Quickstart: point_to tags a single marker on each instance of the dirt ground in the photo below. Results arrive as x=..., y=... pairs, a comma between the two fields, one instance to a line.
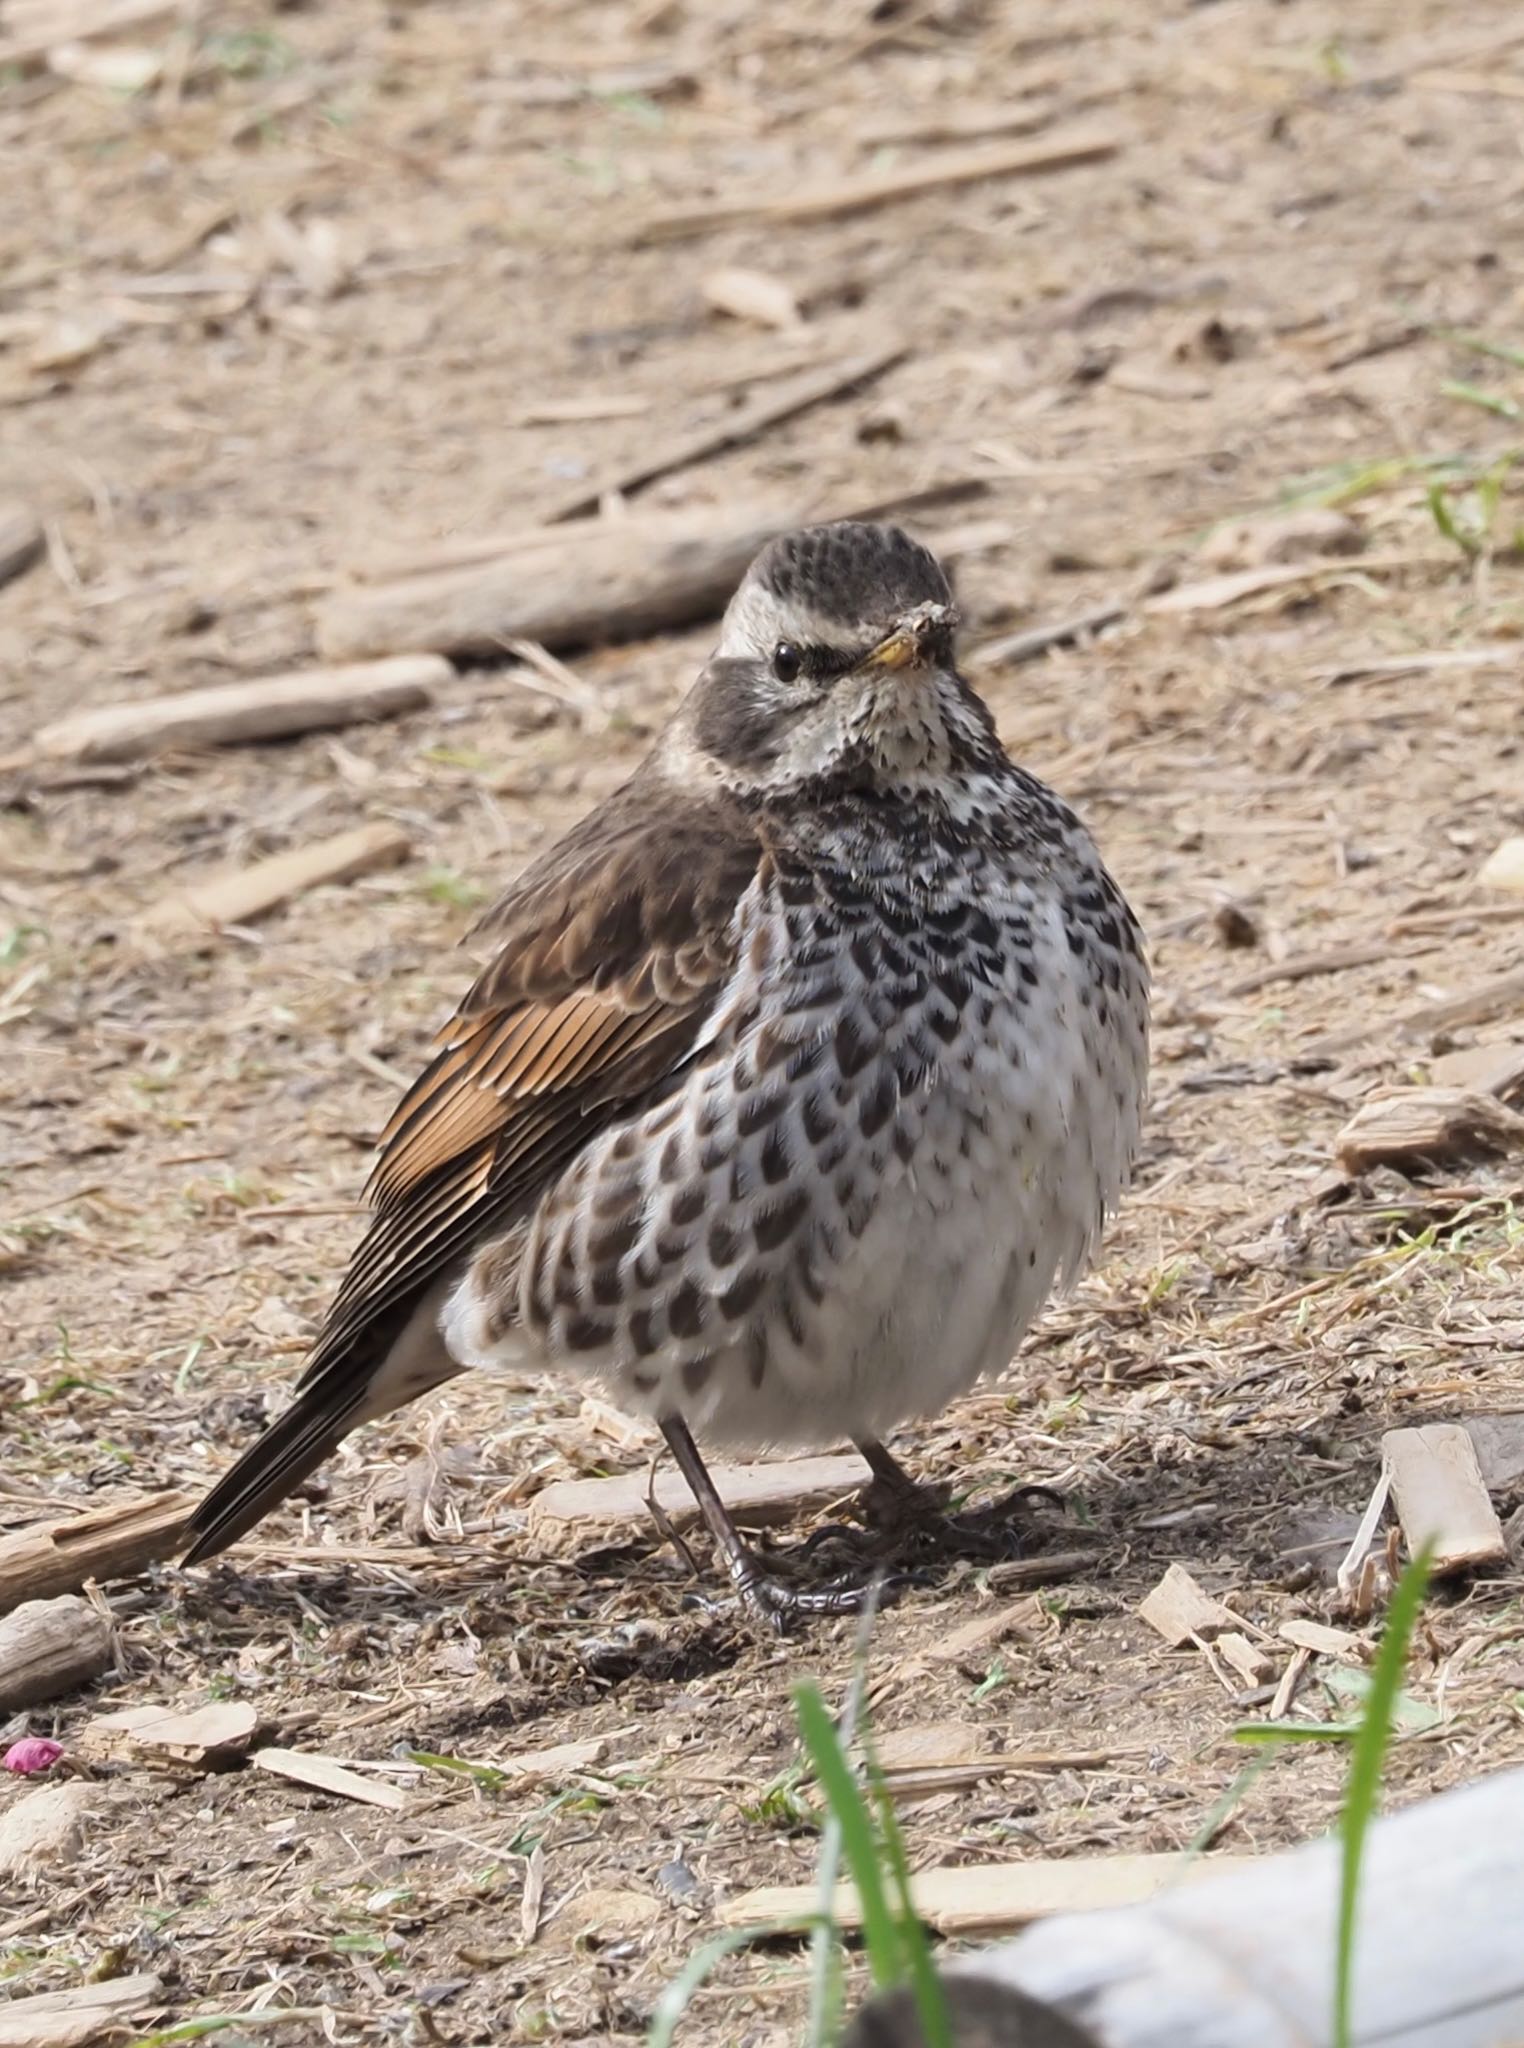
x=336, y=284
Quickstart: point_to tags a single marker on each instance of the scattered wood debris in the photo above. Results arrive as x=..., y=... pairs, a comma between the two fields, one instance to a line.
x=832, y=199
x=753, y=295
x=232, y=714
x=1437, y=1486
x=38, y=28
x=580, y=1514
x=50, y=1647
x=22, y=539
x=307, y=1767
x=113, y=1542
x=1182, y=1610
x=1415, y=1129
x=207, y=1738
x=988, y=1898
x=1504, y=867
x=82, y=2013
x=206, y=907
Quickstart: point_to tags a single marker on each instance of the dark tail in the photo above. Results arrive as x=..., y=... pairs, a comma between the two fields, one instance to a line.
x=295, y=1444
x=393, y=1360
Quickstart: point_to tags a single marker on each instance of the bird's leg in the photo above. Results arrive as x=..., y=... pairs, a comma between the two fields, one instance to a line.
x=767, y=1597
x=922, y=1512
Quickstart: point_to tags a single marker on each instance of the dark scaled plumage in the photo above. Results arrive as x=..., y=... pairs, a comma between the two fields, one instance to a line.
x=852, y=573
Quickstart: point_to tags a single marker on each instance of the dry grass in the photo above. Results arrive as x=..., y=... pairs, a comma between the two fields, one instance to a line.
x=1239, y=309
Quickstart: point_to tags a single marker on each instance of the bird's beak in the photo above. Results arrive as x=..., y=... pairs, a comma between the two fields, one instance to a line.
x=921, y=637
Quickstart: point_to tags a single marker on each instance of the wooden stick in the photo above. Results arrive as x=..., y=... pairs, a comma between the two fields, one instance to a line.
x=582, y=1514
x=234, y=713
x=767, y=409
x=1479, y=1005
x=323, y=1774
x=79, y=2014
x=630, y=579
x=77, y=25
x=1441, y=1498
x=49, y=1647
x=1302, y=966
x=980, y=1898
x=107, y=1543
x=249, y=892
x=22, y=540
x=837, y=197
x=1038, y=640
x=1248, y=1959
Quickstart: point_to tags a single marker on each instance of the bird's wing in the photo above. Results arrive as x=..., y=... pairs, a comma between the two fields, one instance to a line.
x=611, y=953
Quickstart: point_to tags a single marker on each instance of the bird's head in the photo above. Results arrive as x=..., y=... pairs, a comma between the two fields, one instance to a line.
x=835, y=662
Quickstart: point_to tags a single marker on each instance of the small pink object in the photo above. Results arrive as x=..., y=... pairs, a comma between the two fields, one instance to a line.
x=33, y=1753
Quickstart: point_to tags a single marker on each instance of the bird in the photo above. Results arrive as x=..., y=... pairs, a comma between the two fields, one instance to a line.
x=799, y=1072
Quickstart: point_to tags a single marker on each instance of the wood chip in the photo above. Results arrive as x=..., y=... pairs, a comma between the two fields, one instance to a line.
x=22, y=540
x=1252, y=1663
x=1181, y=1609
x=1416, y=1128
x=206, y=1738
x=108, y=1543
x=1322, y=1640
x=534, y=1894
x=581, y=1514
x=1441, y=1499
x=41, y=28
x=84, y=2013
x=832, y=199
x=234, y=714
x=754, y=296
x=992, y=1898
x=306, y=1767
x=250, y=892
x=50, y=1647
x=1484, y=1070
x=560, y=1760
x=1504, y=868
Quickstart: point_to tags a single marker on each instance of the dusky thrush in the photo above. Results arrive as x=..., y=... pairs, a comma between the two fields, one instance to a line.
x=804, y=1067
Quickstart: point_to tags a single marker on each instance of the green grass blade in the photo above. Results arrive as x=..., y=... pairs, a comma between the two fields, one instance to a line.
x=675, y=2000
x=825, y=1944
x=880, y=1932
x=1364, y=1786
x=1483, y=345
x=1489, y=401
x=925, y=1984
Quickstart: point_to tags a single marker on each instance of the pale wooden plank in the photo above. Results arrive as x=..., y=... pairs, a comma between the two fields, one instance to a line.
x=113, y=1542
x=270, y=707
x=984, y=1898
x=583, y=1514
x=1441, y=1497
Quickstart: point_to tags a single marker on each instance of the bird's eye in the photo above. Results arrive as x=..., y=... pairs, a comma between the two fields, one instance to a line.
x=787, y=661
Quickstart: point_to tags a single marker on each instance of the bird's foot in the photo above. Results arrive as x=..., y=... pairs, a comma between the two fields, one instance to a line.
x=920, y=1522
